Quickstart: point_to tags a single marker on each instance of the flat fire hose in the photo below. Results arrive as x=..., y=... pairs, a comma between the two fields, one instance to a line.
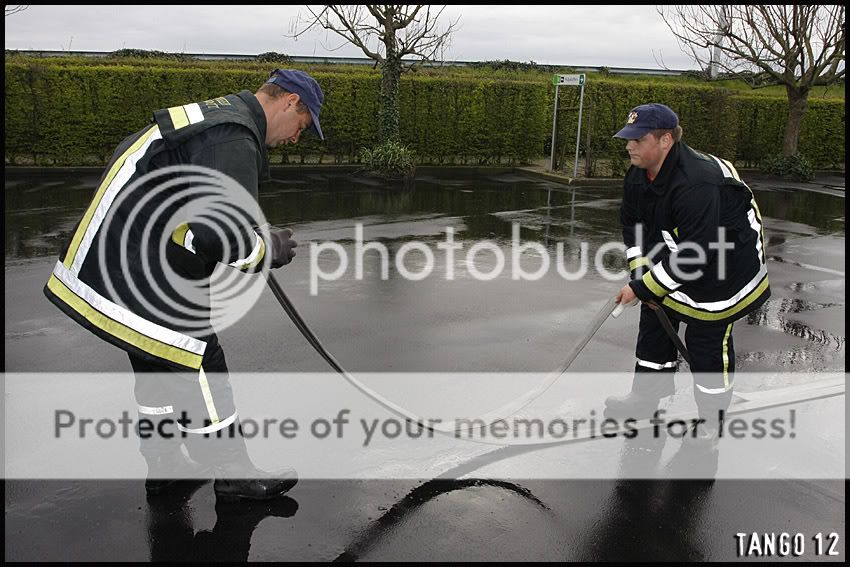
x=488, y=419
x=674, y=336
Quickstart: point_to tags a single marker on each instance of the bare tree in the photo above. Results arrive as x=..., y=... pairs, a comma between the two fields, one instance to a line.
x=386, y=33
x=797, y=46
x=15, y=9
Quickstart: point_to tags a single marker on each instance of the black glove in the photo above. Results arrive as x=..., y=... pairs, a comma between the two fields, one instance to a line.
x=282, y=246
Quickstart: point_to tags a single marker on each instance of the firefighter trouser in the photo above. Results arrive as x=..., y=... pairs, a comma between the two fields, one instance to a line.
x=712, y=353
x=193, y=408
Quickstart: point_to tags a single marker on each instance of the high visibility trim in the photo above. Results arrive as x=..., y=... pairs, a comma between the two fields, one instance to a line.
x=183, y=236
x=652, y=285
x=254, y=258
x=118, y=175
x=669, y=241
x=209, y=429
x=193, y=113
x=178, y=117
x=178, y=235
x=638, y=262
x=127, y=317
x=684, y=299
x=664, y=278
x=208, y=399
x=162, y=410
x=726, y=356
x=761, y=223
x=732, y=169
x=656, y=365
x=719, y=315
x=124, y=324
x=187, y=242
x=723, y=167
x=633, y=252
x=705, y=390
x=756, y=226
x=676, y=232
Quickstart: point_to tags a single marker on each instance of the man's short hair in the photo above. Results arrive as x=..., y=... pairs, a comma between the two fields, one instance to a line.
x=676, y=133
x=273, y=91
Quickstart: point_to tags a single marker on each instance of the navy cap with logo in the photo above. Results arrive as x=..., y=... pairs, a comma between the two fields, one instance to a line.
x=306, y=87
x=647, y=117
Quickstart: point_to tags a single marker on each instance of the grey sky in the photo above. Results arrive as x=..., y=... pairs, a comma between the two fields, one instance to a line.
x=615, y=36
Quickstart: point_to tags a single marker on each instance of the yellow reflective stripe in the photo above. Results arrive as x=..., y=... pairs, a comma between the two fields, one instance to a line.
x=208, y=399
x=178, y=117
x=638, y=262
x=654, y=286
x=179, y=234
x=726, y=357
x=676, y=231
x=113, y=171
x=121, y=331
x=706, y=316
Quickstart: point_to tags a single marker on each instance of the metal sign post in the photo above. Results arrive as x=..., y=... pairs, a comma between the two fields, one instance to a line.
x=554, y=121
x=574, y=80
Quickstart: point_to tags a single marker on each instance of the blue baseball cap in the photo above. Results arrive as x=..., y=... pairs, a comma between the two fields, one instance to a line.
x=306, y=87
x=647, y=117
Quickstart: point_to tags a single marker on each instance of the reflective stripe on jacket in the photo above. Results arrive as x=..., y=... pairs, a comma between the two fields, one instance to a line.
x=672, y=230
x=119, y=238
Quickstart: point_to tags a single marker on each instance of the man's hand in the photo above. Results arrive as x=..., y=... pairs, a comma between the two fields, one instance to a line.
x=626, y=296
x=282, y=246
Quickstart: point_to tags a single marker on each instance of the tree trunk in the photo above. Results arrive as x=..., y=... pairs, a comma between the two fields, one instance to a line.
x=797, y=104
x=388, y=122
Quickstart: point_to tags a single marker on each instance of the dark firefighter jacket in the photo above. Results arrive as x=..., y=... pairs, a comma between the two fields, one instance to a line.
x=694, y=238
x=113, y=275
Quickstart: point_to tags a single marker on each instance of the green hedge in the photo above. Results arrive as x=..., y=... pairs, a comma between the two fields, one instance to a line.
x=74, y=111
x=761, y=128
x=706, y=114
x=720, y=121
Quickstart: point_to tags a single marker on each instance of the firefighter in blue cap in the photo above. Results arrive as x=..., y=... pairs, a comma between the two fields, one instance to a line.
x=181, y=372
x=695, y=248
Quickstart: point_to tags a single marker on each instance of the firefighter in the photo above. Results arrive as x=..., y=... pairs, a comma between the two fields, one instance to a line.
x=695, y=248
x=133, y=277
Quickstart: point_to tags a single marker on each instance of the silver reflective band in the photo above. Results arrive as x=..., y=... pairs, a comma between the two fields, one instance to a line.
x=726, y=171
x=655, y=365
x=210, y=429
x=258, y=245
x=633, y=252
x=126, y=317
x=121, y=178
x=187, y=241
x=193, y=113
x=705, y=390
x=721, y=305
x=668, y=239
x=664, y=278
x=156, y=411
x=756, y=226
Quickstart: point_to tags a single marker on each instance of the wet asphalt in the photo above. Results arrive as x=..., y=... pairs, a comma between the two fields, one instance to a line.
x=436, y=325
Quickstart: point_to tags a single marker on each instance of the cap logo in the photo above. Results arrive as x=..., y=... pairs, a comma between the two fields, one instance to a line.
x=632, y=117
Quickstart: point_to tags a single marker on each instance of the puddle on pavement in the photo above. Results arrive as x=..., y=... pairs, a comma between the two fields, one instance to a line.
x=43, y=209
